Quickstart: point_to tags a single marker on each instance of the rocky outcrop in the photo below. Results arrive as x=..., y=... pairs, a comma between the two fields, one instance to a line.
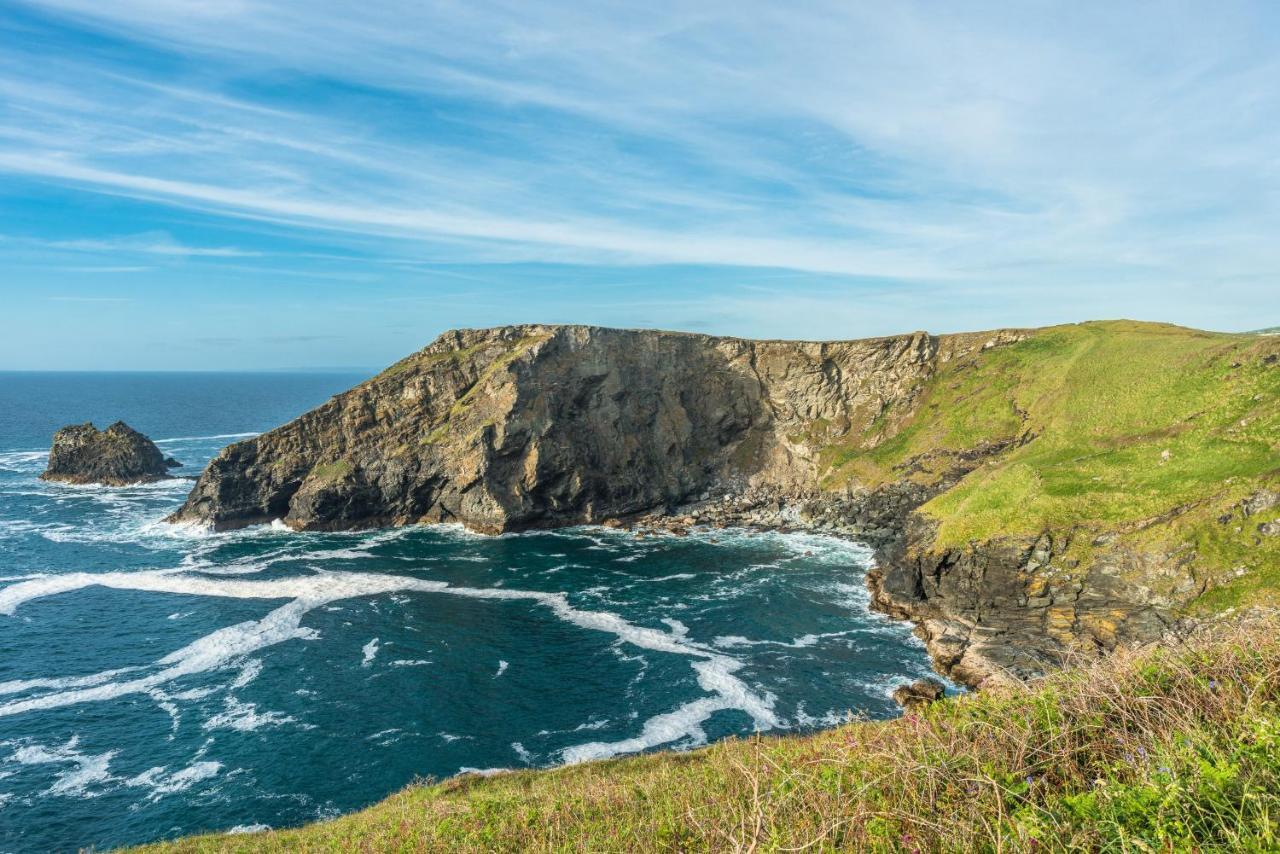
x=117, y=456
x=1010, y=609
x=537, y=426
x=921, y=692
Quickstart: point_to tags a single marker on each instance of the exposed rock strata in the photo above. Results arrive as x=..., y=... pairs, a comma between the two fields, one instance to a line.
x=1008, y=610
x=538, y=426
x=117, y=456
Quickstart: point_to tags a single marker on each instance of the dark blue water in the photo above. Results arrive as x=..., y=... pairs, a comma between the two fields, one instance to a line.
x=158, y=681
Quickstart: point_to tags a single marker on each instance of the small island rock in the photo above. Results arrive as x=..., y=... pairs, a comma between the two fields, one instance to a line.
x=117, y=456
x=919, y=693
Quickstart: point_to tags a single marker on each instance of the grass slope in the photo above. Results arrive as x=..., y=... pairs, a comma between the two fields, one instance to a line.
x=1148, y=433
x=1156, y=750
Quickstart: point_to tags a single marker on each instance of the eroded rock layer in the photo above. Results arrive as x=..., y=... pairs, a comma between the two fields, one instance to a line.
x=117, y=456
x=536, y=426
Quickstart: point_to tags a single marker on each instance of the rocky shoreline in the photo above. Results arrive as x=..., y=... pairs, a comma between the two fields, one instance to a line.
x=1004, y=645
x=542, y=426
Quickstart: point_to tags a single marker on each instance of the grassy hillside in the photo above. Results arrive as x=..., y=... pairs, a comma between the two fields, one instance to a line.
x=1150, y=434
x=1159, y=750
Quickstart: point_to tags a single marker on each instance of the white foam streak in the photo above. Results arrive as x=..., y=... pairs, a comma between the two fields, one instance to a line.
x=23, y=461
x=715, y=670
x=18, y=686
x=166, y=784
x=369, y=650
x=683, y=723
x=88, y=768
x=244, y=717
x=204, y=438
x=249, y=828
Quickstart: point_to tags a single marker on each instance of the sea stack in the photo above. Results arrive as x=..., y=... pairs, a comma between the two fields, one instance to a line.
x=117, y=456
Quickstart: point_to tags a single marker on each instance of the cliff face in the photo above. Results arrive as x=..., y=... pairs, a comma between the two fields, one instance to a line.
x=117, y=456
x=1034, y=494
x=530, y=426
x=1016, y=608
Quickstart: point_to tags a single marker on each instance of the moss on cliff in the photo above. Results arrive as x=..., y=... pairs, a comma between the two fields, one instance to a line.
x=1146, y=432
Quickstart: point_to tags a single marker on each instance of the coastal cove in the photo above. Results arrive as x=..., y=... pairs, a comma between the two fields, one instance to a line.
x=156, y=677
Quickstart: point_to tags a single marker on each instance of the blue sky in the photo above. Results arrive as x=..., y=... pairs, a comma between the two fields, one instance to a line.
x=261, y=183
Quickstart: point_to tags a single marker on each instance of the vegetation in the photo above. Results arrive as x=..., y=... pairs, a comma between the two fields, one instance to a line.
x=331, y=471
x=1149, y=433
x=1138, y=438
x=1163, y=749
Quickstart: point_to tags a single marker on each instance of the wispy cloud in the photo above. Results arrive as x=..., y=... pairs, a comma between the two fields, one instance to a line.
x=143, y=244
x=984, y=154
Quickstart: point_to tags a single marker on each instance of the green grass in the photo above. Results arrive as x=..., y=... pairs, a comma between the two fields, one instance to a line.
x=331, y=471
x=1122, y=423
x=1166, y=749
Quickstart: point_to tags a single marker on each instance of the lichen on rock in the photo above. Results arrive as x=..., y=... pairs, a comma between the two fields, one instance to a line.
x=116, y=456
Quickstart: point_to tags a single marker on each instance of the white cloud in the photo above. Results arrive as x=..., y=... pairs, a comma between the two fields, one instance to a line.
x=985, y=148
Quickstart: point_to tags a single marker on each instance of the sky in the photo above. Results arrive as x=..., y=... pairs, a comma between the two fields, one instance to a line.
x=272, y=184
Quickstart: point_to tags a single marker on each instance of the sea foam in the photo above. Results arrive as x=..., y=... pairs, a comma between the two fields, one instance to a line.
x=714, y=669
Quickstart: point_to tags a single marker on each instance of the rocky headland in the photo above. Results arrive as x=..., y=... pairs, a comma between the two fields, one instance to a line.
x=116, y=456
x=1033, y=495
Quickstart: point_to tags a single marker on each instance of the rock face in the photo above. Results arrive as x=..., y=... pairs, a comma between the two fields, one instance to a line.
x=537, y=426
x=921, y=692
x=1008, y=610
x=117, y=456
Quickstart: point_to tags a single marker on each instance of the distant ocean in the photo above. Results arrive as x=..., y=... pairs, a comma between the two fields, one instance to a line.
x=157, y=681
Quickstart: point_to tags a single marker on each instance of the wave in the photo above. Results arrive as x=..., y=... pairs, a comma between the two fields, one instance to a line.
x=87, y=768
x=714, y=669
x=802, y=642
x=89, y=774
x=21, y=462
x=206, y=438
x=369, y=650
x=245, y=717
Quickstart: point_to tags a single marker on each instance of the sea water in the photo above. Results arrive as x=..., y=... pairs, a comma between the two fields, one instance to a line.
x=158, y=681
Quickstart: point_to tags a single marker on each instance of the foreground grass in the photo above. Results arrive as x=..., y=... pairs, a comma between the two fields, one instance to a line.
x=1167, y=749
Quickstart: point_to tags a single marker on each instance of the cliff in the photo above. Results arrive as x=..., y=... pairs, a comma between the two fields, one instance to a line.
x=535, y=426
x=1034, y=494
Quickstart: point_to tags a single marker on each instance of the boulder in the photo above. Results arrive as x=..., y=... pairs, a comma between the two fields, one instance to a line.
x=117, y=456
x=919, y=693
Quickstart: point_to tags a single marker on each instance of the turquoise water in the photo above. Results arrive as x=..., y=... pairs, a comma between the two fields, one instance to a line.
x=157, y=681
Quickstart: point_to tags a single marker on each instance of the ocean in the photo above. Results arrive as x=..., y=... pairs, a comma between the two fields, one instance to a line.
x=157, y=681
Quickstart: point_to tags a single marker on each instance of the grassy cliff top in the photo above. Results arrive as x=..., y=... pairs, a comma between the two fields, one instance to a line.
x=1162, y=749
x=1147, y=434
